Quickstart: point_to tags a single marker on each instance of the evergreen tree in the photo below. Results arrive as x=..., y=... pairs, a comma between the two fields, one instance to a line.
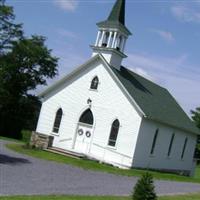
x=144, y=188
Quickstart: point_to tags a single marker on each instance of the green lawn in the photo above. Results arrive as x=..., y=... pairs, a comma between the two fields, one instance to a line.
x=92, y=165
x=10, y=139
x=181, y=197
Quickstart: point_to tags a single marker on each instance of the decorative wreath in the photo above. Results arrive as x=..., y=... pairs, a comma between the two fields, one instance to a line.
x=80, y=132
x=88, y=134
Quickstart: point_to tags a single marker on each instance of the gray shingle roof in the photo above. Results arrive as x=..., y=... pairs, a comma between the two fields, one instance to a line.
x=155, y=101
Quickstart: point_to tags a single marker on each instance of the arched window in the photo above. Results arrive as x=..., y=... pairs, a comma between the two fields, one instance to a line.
x=170, y=144
x=94, y=83
x=57, y=121
x=113, y=133
x=87, y=117
x=154, y=141
x=184, y=147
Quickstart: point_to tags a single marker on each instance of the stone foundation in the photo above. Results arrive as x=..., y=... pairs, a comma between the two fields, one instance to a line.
x=40, y=141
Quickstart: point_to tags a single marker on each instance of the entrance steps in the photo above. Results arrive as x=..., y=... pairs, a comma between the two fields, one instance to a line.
x=66, y=152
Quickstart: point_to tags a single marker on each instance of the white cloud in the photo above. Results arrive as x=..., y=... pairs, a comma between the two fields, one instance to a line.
x=68, y=5
x=181, y=79
x=141, y=72
x=186, y=13
x=166, y=35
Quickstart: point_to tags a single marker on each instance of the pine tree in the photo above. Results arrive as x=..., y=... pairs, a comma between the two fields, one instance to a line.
x=144, y=188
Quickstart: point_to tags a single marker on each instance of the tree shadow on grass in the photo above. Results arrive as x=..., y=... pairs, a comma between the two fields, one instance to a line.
x=5, y=159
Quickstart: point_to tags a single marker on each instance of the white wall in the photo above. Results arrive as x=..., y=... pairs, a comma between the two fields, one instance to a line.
x=160, y=160
x=108, y=103
x=113, y=58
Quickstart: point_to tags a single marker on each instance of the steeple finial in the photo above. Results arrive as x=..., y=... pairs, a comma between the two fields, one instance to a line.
x=118, y=12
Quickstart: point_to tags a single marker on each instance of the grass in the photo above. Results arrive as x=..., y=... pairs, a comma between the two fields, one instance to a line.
x=92, y=165
x=182, y=197
x=55, y=197
x=10, y=139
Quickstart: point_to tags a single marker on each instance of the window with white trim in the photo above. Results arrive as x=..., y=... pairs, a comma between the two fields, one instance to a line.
x=114, y=133
x=170, y=144
x=94, y=83
x=154, y=142
x=57, y=120
x=184, y=147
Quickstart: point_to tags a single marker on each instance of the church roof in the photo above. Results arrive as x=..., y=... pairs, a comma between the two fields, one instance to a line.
x=155, y=101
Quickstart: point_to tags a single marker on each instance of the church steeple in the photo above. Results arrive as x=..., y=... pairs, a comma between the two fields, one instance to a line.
x=118, y=12
x=112, y=36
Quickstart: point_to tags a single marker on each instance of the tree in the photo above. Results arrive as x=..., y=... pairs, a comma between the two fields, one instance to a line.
x=144, y=188
x=196, y=116
x=25, y=63
x=9, y=31
x=196, y=119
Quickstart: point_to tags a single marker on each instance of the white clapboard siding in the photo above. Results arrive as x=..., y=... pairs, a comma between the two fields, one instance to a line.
x=108, y=103
x=160, y=159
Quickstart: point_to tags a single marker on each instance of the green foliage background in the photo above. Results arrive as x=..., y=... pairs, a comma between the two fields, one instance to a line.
x=196, y=119
x=25, y=63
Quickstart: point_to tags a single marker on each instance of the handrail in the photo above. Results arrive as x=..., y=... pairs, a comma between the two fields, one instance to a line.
x=66, y=139
x=121, y=154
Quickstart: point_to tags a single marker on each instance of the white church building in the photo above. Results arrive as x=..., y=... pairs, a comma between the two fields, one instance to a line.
x=108, y=112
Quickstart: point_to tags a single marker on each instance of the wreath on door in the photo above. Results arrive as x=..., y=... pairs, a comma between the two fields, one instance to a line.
x=88, y=134
x=80, y=132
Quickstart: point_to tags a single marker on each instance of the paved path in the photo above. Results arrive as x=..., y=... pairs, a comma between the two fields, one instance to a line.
x=24, y=175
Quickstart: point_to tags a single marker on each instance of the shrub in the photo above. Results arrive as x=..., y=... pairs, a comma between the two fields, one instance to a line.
x=144, y=188
x=26, y=135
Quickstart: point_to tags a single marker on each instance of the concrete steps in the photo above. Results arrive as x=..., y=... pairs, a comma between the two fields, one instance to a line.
x=66, y=152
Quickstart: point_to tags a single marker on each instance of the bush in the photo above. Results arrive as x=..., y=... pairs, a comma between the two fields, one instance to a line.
x=144, y=188
x=26, y=135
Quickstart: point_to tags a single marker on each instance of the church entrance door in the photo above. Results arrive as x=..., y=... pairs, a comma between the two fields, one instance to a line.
x=84, y=132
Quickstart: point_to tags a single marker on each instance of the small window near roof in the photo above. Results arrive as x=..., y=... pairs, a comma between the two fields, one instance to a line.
x=94, y=83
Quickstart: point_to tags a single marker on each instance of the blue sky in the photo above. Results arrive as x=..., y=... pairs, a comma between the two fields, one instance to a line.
x=164, y=47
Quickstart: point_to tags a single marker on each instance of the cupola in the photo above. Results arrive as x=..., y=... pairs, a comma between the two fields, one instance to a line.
x=112, y=36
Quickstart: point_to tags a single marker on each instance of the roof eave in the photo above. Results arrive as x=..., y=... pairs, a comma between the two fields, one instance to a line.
x=114, y=25
x=64, y=78
x=196, y=132
x=122, y=87
x=107, y=49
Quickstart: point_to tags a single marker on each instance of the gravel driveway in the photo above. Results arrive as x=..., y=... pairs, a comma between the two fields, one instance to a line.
x=24, y=175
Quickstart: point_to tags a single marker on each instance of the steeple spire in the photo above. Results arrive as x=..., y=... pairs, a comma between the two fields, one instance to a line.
x=118, y=12
x=112, y=36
